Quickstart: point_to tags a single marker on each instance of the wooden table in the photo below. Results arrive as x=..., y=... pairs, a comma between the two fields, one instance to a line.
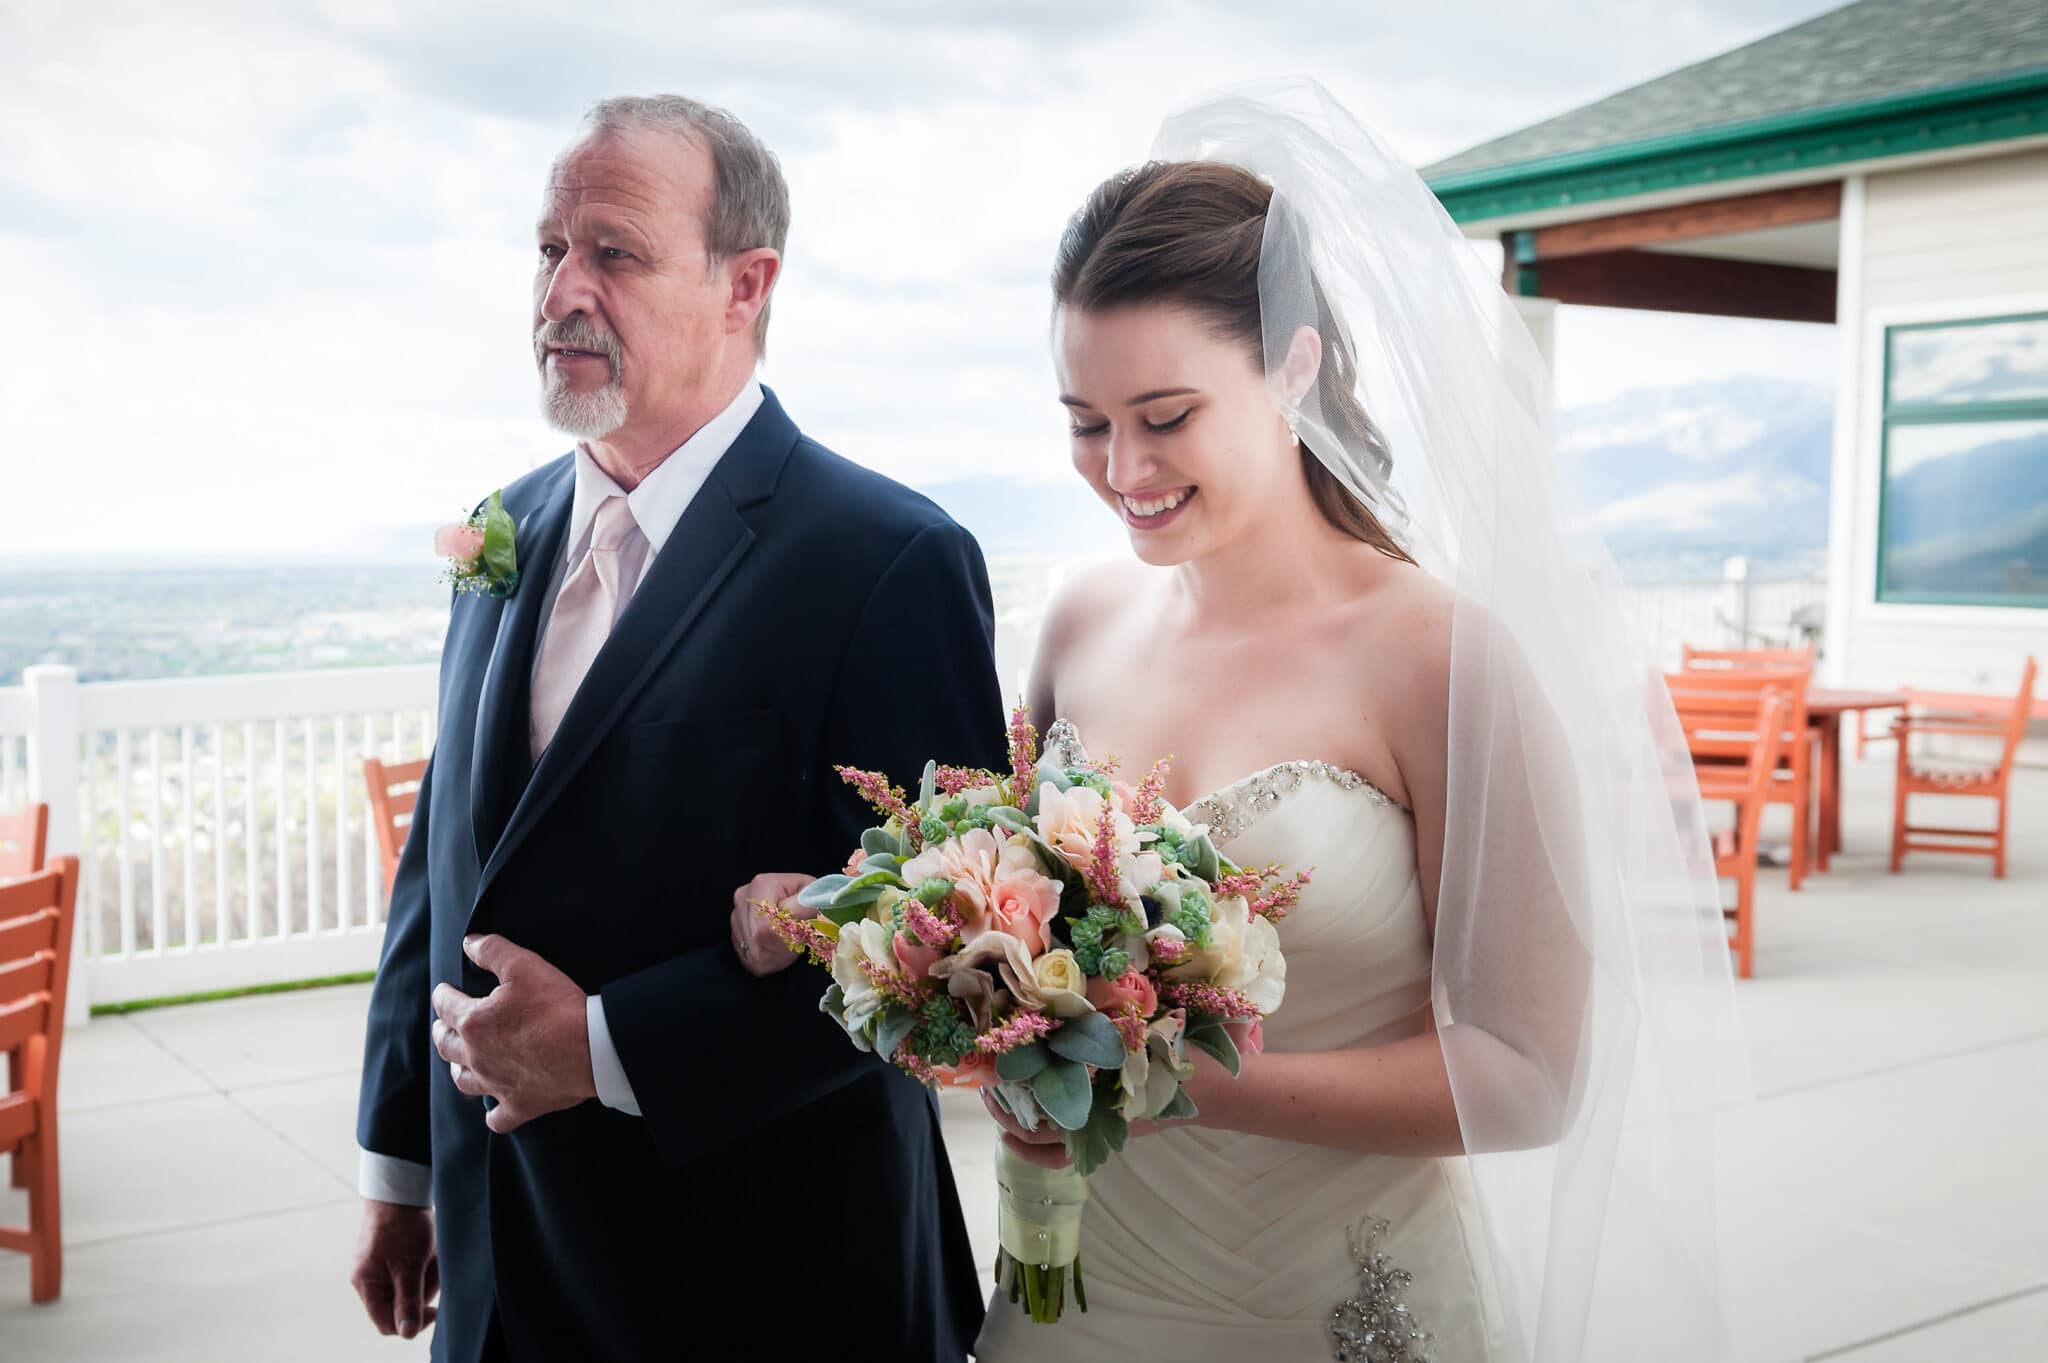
x=1824, y=710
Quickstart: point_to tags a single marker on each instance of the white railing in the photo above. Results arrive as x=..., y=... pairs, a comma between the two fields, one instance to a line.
x=225, y=834
x=1738, y=611
x=222, y=823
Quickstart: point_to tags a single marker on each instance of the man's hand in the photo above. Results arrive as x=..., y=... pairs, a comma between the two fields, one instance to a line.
x=396, y=1273
x=753, y=941
x=526, y=1044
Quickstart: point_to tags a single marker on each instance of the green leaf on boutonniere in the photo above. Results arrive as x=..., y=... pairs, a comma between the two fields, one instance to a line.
x=499, y=557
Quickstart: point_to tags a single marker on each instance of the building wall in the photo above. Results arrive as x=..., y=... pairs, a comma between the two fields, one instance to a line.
x=1964, y=239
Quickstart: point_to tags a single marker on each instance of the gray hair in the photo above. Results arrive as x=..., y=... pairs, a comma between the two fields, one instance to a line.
x=750, y=199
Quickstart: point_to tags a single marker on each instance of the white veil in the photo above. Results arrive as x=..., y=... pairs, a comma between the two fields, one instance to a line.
x=1581, y=981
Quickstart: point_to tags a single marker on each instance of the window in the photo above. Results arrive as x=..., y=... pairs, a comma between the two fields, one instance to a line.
x=1963, y=518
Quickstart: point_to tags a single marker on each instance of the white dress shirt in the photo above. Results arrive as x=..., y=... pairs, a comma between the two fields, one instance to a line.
x=657, y=505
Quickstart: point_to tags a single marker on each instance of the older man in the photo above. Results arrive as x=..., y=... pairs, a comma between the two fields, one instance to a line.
x=581, y=1118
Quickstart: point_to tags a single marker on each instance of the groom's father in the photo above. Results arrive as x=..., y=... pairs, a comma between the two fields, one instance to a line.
x=581, y=1118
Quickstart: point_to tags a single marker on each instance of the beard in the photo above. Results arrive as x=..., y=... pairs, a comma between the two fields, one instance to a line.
x=586, y=415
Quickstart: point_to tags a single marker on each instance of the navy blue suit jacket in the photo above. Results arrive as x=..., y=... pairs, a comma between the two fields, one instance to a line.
x=805, y=612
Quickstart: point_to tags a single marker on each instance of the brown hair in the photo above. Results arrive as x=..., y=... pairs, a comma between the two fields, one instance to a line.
x=1190, y=233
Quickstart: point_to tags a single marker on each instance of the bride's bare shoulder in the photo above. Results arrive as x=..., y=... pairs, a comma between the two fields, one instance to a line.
x=1086, y=598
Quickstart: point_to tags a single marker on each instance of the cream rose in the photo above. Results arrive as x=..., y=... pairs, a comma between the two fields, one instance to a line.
x=1260, y=971
x=1227, y=920
x=1062, y=984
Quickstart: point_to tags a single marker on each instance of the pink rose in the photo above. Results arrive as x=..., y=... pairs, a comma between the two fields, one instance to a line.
x=460, y=542
x=1249, y=1036
x=853, y=862
x=916, y=961
x=1022, y=901
x=1070, y=819
x=969, y=861
x=1130, y=987
x=977, y=1069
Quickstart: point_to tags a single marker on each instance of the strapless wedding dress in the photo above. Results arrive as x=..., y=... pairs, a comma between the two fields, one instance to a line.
x=1203, y=1245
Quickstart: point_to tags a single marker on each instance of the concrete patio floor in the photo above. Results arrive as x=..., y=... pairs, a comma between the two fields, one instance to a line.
x=1898, y=1029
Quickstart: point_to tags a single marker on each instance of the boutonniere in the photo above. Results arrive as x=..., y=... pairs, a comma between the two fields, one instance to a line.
x=480, y=552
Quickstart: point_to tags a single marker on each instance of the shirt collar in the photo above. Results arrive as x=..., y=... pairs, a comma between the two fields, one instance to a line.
x=667, y=491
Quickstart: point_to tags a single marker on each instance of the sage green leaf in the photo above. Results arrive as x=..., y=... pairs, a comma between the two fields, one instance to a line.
x=499, y=555
x=1105, y=1133
x=1091, y=1039
x=820, y=892
x=1180, y=1106
x=1062, y=1089
x=1022, y=1063
x=880, y=841
x=890, y=1028
x=1208, y=1035
x=928, y=785
x=1009, y=816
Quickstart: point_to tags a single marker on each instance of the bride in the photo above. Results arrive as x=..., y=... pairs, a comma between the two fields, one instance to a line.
x=1502, y=1112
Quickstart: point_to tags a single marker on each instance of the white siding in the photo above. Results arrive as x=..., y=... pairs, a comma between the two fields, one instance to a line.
x=1965, y=239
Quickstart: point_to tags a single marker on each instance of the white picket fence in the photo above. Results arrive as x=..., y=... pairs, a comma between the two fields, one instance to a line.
x=222, y=823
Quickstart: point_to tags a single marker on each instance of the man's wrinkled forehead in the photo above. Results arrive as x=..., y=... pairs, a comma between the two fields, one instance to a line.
x=646, y=170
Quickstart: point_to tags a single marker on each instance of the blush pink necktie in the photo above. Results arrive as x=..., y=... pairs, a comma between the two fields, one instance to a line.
x=584, y=611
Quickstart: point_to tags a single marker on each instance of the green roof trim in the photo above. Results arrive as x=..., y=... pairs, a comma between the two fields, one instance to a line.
x=1994, y=110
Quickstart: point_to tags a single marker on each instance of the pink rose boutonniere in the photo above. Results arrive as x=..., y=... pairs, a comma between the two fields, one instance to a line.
x=480, y=551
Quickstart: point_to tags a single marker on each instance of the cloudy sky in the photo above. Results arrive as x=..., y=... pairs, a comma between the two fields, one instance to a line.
x=269, y=261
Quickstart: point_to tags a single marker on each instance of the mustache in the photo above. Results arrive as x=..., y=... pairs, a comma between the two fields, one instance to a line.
x=575, y=333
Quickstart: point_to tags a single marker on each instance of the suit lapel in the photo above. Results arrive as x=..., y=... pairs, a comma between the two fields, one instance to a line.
x=499, y=761
x=706, y=545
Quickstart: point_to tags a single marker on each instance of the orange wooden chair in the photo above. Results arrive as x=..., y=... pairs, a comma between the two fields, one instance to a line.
x=1713, y=723
x=23, y=835
x=1930, y=775
x=1746, y=659
x=394, y=789
x=1796, y=779
x=36, y=918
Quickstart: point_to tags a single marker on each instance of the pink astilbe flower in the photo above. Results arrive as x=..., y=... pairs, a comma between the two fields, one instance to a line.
x=1022, y=1029
x=1150, y=805
x=798, y=934
x=1207, y=998
x=1130, y=1025
x=1023, y=755
x=953, y=780
x=1103, y=871
x=886, y=799
x=896, y=985
x=1276, y=901
x=914, y=1065
x=1167, y=951
x=932, y=929
x=1250, y=884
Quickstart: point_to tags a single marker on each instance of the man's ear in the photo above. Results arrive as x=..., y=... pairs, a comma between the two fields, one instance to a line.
x=751, y=277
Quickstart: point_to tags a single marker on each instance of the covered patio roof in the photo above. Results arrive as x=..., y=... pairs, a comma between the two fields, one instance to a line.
x=1716, y=188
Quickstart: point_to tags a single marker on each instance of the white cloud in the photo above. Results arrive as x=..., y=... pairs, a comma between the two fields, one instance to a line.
x=1681, y=507
x=271, y=261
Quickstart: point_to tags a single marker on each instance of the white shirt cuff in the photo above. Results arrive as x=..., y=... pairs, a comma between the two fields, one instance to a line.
x=386, y=1178
x=614, y=1090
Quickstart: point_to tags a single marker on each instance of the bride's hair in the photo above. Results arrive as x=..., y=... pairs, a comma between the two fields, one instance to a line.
x=1190, y=233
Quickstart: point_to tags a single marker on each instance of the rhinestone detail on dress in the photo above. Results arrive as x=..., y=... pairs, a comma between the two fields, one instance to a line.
x=1235, y=808
x=1374, y=1326
x=1063, y=741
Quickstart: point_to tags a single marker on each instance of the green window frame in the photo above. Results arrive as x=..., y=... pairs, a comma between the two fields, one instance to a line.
x=1904, y=419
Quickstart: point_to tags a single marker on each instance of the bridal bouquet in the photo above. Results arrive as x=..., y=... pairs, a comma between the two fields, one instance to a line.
x=1060, y=938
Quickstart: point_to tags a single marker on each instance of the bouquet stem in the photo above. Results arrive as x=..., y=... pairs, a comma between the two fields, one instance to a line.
x=1038, y=1221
